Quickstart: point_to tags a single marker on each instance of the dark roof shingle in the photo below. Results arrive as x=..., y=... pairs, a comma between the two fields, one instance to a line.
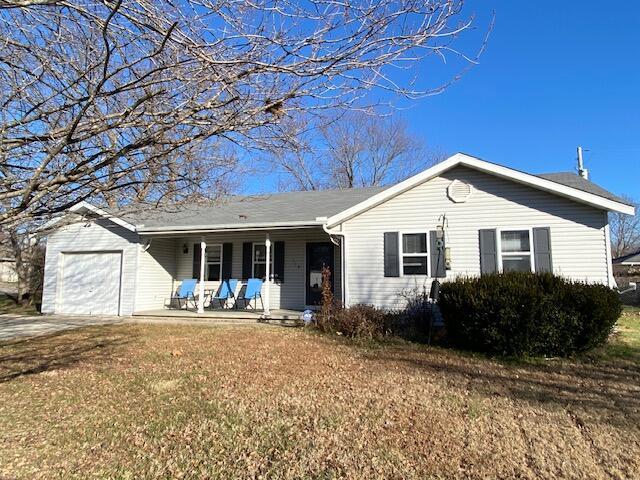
x=293, y=207
x=277, y=208
x=574, y=180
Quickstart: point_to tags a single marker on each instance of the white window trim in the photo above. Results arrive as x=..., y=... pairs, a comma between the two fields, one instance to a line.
x=401, y=253
x=515, y=254
x=253, y=259
x=207, y=263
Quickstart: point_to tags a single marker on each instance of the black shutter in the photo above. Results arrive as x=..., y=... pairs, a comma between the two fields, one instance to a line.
x=278, y=261
x=247, y=260
x=391, y=257
x=542, y=249
x=488, y=252
x=196, y=260
x=227, y=260
x=436, y=256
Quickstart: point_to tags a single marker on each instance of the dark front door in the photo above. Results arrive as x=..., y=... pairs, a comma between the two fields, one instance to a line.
x=319, y=254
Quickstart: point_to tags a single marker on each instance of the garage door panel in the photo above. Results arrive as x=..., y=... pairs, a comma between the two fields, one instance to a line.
x=73, y=281
x=91, y=283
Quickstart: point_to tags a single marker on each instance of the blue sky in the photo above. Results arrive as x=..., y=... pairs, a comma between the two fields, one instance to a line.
x=554, y=75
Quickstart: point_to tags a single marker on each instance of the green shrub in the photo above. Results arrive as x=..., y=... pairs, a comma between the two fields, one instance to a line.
x=522, y=314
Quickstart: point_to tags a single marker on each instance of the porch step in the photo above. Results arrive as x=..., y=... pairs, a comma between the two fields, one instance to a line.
x=222, y=315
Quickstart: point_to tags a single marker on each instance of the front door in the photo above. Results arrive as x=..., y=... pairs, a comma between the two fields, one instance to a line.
x=319, y=254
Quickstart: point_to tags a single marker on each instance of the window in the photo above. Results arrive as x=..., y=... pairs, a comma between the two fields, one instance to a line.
x=213, y=258
x=415, y=258
x=515, y=251
x=260, y=261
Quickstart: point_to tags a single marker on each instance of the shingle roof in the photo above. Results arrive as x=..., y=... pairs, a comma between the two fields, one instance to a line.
x=277, y=208
x=292, y=208
x=574, y=180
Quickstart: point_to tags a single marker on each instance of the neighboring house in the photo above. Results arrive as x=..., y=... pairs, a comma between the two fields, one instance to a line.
x=631, y=260
x=8, y=272
x=626, y=270
x=464, y=216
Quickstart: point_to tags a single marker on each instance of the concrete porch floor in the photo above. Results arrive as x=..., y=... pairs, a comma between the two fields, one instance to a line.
x=222, y=314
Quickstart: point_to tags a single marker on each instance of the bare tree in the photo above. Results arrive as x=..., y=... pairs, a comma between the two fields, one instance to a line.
x=366, y=150
x=625, y=230
x=28, y=255
x=99, y=96
x=301, y=167
x=355, y=150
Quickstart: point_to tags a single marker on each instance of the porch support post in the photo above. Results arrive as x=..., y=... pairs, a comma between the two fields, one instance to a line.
x=267, y=270
x=203, y=252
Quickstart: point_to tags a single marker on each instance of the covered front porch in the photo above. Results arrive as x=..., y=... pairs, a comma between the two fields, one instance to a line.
x=287, y=262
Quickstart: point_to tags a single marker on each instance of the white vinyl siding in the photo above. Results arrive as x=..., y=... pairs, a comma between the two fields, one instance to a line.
x=577, y=232
x=100, y=235
x=156, y=270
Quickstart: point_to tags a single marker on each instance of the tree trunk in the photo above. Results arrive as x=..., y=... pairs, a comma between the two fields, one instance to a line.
x=22, y=267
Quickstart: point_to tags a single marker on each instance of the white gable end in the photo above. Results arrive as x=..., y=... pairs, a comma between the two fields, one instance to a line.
x=460, y=159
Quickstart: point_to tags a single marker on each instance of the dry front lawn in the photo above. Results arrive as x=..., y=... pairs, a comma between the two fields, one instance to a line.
x=159, y=401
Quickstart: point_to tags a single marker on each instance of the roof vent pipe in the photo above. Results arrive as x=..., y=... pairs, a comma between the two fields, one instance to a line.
x=583, y=172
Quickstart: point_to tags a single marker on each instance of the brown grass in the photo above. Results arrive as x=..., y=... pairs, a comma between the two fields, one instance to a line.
x=9, y=305
x=149, y=401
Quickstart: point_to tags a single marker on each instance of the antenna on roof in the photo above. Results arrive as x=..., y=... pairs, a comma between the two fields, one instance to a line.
x=583, y=172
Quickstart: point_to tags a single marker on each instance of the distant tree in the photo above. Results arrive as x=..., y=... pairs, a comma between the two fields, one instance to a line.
x=355, y=150
x=625, y=230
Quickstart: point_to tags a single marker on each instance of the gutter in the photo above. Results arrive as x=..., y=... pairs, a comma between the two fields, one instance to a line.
x=142, y=230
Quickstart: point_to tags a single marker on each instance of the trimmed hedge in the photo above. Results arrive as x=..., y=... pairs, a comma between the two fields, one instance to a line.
x=524, y=314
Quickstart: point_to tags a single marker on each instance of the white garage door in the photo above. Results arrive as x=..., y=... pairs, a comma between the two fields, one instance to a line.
x=91, y=283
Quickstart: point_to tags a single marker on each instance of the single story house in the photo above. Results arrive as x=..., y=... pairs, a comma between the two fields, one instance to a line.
x=464, y=216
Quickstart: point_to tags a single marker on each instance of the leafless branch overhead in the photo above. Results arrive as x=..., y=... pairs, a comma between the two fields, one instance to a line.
x=101, y=95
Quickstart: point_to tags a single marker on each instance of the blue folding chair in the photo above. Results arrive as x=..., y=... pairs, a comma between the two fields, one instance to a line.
x=252, y=292
x=225, y=292
x=185, y=293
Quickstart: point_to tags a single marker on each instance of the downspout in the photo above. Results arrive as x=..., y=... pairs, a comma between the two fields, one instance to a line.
x=343, y=260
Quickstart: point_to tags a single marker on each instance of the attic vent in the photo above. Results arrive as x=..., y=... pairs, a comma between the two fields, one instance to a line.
x=459, y=191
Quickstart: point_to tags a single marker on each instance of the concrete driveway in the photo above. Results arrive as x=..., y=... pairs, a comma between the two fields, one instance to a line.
x=13, y=326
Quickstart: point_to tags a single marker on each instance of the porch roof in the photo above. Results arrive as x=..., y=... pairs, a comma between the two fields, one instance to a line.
x=285, y=210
